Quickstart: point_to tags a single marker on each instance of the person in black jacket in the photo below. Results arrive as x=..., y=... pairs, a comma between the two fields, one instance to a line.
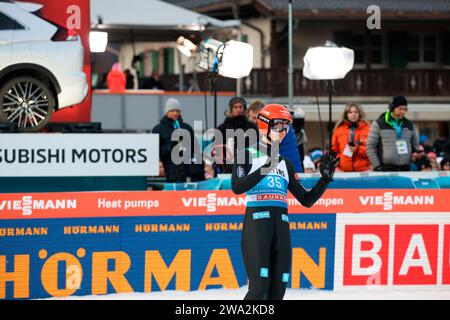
x=152, y=82
x=168, y=124
x=235, y=119
x=266, y=178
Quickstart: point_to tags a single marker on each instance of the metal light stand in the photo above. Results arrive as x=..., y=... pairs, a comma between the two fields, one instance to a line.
x=330, y=89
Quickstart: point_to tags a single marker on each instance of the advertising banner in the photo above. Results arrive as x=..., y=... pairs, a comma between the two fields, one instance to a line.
x=64, y=155
x=61, y=257
x=382, y=250
x=55, y=245
x=154, y=203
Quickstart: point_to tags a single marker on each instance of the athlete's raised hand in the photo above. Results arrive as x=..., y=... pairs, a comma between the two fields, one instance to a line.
x=328, y=164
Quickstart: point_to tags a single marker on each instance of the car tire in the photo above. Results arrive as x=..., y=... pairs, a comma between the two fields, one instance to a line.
x=27, y=102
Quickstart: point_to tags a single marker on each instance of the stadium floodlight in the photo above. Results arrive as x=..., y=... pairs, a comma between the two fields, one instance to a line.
x=233, y=59
x=186, y=46
x=209, y=49
x=328, y=62
x=237, y=60
x=98, y=40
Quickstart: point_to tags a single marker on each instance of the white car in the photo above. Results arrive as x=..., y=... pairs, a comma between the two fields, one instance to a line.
x=40, y=66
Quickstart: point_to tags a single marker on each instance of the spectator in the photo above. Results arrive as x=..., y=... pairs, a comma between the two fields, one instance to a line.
x=161, y=170
x=288, y=147
x=168, y=124
x=116, y=79
x=235, y=119
x=315, y=156
x=426, y=167
x=209, y=171
x=102, y=81
x=439, y=145
x=420, y=160
x=153, y=82
x=425, y=142
x=350, y=138
x=298, y=122
x=392, y=139
x=433, y=160
x=309, y=165
x=445, y=164
x=446, y=149
x=253, y=110
x=130, y=79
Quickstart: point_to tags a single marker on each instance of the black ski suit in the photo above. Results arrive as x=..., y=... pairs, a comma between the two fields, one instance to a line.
x=266, y=242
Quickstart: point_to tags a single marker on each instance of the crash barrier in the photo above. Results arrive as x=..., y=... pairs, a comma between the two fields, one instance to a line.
x=89, y=243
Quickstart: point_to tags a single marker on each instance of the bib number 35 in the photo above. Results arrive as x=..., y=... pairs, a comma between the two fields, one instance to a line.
x=274, y=182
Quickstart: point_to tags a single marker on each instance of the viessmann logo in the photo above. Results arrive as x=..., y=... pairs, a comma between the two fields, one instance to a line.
x=27, y=204
x=388, y=200
x=212, y=201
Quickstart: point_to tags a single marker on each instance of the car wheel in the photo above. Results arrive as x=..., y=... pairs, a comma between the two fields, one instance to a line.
x=27, y=102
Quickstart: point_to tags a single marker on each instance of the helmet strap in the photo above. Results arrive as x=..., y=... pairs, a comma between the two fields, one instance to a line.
x=268, y=137
x=268, y=131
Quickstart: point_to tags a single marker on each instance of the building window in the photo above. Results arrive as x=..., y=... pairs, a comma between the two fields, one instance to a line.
x=430, y=48
x=422, y=48
x=377, y=48
x=359, y=48
x=359, y=42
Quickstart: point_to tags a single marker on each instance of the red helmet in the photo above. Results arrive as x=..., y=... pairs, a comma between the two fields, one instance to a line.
x=269, y=116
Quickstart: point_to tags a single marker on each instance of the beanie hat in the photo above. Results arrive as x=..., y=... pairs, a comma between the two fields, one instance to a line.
x=423, y=138
x=308, y=163
x=316, y=155
x=236, y=100
x=172, y=104
x=398, y=101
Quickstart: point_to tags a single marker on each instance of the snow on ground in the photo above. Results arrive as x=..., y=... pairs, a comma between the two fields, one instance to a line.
x=291, y=294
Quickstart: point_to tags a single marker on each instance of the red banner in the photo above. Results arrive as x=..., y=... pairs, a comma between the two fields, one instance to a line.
x=182, y=203
x=74, y=15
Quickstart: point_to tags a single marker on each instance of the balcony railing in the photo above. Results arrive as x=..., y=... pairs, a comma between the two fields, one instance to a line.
x=379, y=82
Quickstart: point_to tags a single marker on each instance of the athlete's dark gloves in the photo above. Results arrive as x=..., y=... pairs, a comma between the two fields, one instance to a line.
x=328, y=164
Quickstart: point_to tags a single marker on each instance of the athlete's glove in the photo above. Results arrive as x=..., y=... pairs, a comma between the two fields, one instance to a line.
x=328, y=164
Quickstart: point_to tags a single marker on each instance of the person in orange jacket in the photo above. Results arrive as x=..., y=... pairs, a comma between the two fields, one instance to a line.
x=116, y=79
x=349, y=139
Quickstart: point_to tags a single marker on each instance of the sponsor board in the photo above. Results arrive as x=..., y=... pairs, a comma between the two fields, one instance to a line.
x=385, y=250
x=64, y=155
x=178, y=203
x=106, y=242
x=89, y=256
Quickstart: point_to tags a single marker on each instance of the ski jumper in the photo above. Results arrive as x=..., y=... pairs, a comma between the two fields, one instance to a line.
x=266, y=243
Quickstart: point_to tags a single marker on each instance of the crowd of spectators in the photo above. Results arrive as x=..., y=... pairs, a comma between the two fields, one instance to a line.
x=390, y=143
